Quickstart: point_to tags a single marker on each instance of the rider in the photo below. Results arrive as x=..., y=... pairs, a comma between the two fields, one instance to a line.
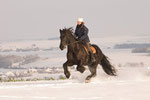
x=81, y=32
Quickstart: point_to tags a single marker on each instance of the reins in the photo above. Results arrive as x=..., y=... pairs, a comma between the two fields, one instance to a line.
x=73, y=42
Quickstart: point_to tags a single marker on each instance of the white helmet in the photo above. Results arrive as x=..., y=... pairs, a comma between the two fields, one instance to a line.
x=80, y=19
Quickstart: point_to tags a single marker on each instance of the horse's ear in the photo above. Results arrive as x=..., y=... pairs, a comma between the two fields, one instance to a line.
x=60, y=30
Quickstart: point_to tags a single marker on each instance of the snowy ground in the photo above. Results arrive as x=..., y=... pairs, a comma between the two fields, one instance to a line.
x=129, y=85
x=132, y=82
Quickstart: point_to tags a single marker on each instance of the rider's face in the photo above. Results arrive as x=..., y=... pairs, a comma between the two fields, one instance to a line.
x=78, y=22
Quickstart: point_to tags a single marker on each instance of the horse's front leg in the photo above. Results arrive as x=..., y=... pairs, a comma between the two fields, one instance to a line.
x=66, y=71
x=80, y=67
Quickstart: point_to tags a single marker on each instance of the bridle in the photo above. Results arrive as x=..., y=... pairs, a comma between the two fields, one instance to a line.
x=73, y=42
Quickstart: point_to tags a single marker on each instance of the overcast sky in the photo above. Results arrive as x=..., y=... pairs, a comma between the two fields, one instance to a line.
x=42, y=18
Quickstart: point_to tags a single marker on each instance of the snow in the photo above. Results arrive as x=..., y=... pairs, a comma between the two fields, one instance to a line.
x=123, y=87
x=131, y=83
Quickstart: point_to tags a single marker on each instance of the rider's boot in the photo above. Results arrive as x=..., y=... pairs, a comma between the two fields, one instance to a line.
x=92, y=56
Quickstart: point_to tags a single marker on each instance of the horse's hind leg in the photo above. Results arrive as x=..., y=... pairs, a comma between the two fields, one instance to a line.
x=66, y=71
x=93, y=73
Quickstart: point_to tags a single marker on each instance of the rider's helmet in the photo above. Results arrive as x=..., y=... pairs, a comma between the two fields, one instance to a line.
x=80, y=19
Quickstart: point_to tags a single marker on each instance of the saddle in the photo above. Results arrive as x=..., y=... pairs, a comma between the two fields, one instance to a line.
x=91, y=47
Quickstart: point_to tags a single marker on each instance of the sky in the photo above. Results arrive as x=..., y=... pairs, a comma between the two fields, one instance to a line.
x=27, y=19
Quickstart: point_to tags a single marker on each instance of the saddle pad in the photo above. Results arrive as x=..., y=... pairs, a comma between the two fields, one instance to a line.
x=92, y=48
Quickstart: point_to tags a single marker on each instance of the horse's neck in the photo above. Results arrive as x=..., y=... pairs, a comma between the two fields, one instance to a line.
x=71, y=38
x=73, y=44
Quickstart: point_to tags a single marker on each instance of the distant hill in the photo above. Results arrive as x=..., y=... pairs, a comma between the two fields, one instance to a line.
x=132, y=45
x=141, y=50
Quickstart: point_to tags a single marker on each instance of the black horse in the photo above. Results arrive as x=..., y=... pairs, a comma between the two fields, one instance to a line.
x=77, y=55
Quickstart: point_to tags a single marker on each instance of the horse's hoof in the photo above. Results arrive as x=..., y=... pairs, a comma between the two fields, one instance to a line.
x=87, y=81
x=81, y=69
x=67, y=75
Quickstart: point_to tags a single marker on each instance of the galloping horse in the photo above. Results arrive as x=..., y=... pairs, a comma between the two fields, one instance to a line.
x=77, y=55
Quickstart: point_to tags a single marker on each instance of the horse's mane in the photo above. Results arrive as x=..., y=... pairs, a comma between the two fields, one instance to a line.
x=68, y=30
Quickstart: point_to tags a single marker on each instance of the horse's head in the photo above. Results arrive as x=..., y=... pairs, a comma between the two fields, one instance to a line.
x=65, y=36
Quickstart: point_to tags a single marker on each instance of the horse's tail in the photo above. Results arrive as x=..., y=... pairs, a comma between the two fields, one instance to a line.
x=107, y=67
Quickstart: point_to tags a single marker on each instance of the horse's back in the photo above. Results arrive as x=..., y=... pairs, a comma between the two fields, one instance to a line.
x=96, y=47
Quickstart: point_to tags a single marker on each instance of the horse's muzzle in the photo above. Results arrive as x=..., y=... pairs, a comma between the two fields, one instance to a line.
x=62, y=47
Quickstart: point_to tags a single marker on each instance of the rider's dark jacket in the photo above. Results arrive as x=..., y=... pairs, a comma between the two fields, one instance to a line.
x=82, y=33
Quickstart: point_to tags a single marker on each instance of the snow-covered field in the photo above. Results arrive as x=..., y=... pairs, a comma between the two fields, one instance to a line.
x=132, y=82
